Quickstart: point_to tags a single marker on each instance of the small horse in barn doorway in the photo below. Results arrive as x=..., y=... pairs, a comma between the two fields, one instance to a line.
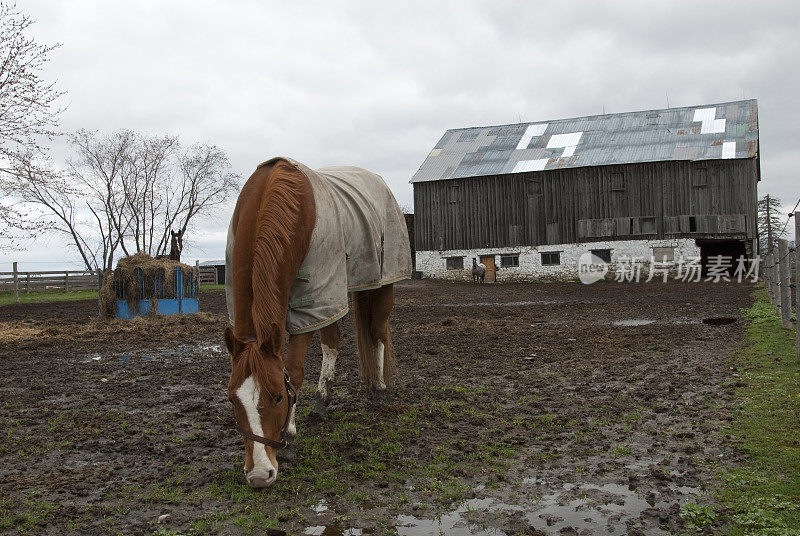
x=299, y=243
x=478, y=271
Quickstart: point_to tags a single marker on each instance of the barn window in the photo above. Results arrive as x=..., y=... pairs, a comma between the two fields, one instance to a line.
x=551, y=258
x=692, y=224
x=699, y=175
x=648, y=226
x=666, y=254
x=617, y=182
x=509, y=261
x=455, y=263
x=453, y=192
x=652, y=119
x=604, y=254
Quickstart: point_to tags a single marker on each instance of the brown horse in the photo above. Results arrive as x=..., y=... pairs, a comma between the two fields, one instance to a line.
x=298, y=242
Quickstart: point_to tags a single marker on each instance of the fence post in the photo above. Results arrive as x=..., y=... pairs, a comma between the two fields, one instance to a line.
x=797, y=281
x=27, y=282
x=765, y=272
x=768, y=272
x=776, y=279
x=66, y=281
x=16, y=284
x=784, y=263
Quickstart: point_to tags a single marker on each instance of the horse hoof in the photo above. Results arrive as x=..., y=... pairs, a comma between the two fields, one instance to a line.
x=319, y=411
x=378, y=396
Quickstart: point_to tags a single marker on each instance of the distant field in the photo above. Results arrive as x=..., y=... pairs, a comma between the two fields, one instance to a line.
x=48, y=296
x=60, y=295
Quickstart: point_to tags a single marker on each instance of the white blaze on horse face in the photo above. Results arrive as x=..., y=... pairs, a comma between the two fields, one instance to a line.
x=379, y=359
x=248, y=393
x=329, y=356
x=291, y=428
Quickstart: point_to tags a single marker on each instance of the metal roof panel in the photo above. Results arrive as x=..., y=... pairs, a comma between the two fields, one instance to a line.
x=706, y=132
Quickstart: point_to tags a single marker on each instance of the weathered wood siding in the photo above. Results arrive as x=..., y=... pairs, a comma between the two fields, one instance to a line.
x=651, y=200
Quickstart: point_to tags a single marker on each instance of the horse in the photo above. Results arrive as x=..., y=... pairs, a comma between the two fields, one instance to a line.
x=478, y=271
x=176, y=245
x=300, y=243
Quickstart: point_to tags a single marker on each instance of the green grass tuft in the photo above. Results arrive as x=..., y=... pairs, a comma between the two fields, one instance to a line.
x=762, y=494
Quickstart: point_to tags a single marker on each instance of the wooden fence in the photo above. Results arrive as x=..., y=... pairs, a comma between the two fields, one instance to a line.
x=779, y=280
x=18, y=281
x=30, y=281
x=208, y=275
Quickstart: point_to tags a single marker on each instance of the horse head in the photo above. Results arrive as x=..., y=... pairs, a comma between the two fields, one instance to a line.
x=263, y=403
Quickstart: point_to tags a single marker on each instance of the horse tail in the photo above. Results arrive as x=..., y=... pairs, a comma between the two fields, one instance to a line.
x=389, y=362
x=367, y=367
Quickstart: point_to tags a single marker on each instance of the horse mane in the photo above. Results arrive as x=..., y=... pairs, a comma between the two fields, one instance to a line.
x=280, y=242
x=279, y=247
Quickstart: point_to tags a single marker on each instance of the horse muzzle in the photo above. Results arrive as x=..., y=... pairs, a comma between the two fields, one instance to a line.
x=261, y=478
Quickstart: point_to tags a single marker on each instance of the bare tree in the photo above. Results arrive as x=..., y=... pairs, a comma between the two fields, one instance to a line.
x=59, y=202
x=204, y=181
x=127, y=191
x=28, y=110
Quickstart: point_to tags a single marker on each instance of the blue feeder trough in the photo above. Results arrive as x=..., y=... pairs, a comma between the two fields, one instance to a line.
x=183, y=299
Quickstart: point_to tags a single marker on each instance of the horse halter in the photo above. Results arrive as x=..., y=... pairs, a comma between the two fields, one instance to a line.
x=291, y=395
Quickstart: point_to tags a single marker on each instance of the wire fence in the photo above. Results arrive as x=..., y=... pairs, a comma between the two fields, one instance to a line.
x=782, y=277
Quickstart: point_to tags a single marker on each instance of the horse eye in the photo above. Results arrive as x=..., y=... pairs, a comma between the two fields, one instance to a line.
x=278, y=399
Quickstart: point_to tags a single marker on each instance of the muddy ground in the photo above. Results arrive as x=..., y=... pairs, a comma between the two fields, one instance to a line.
x=520, y=409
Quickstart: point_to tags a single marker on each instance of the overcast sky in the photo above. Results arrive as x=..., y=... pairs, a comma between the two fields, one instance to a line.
x=376, y=84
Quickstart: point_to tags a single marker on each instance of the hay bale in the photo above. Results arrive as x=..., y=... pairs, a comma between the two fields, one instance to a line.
x=138, y=287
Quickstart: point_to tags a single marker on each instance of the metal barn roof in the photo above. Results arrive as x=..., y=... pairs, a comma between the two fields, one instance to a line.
x=709, y=132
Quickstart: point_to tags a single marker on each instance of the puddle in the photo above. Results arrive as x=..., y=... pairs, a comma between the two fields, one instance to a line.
x=452, y=523
x=575, y=508
x=331, y=530
x=719, y=320
x=187, y=352
x=602, y=509
x=634, y=322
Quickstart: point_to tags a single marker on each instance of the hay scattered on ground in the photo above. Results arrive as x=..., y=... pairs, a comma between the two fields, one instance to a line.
x=95, y=329
x=134, y=289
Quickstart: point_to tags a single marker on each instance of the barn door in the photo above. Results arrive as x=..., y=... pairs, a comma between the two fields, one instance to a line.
x=488, y=261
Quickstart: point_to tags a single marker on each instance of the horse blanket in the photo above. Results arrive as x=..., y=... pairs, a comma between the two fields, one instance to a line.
x=360, y=242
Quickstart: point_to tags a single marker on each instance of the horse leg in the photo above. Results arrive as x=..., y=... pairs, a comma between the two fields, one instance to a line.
x=295, y=366
x=329, y=339
x=381, y=303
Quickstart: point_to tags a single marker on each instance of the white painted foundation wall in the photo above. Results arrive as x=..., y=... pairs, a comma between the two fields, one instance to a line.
x=433, y=264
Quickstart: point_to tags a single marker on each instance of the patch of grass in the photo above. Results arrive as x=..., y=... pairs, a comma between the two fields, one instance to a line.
x=762, y=494
x=620, y=451
x=696, y=517
x=208, y=288
x=26, y=517
x=7, y=298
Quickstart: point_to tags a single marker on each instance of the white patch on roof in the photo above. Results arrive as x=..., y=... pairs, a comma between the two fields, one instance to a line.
x=530, y=132
x=729, y=149
x=564, y=140
x=710, y=125
x=568, y=151
x=530, y=165
x=435, y=152
x=705, y=114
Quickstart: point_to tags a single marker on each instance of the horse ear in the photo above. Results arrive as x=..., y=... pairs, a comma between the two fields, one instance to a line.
x=232, y=343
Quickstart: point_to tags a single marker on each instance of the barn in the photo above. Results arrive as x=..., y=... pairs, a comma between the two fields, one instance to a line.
x=529, y=199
